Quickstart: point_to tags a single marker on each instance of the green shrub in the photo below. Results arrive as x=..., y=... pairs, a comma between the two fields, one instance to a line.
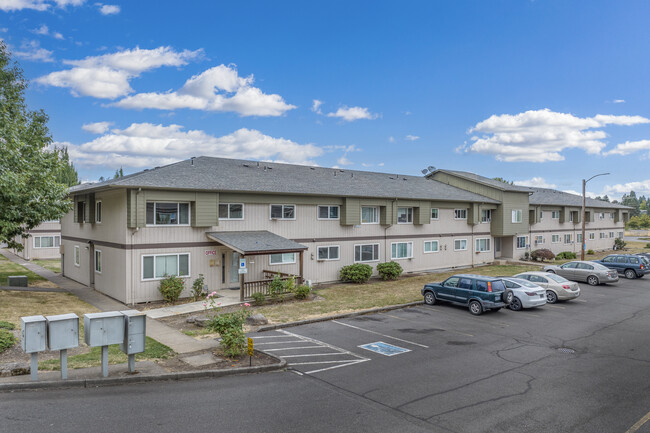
x=197, y=287
x=258, y=298
x=619, y=244
x=290, y=284
x=171, y=288
x=390, y=270
x=276, y=288
x=302, y=291
x=647, y=245
x=357, y=273
x=230, y=327
x=542, y=254
x=6, y=325
x=7, y=339
x=592, y=252
x=566, y=255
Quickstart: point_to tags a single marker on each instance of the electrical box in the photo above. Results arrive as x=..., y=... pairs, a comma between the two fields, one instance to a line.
x=33, y=330
x=62, y=331
x=102, y=329
x=135, y=331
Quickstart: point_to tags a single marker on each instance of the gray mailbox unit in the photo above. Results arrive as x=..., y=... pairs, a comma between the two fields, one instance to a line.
x=102, y=329
x=33, y=331
x=135, y=330
x=63, y=334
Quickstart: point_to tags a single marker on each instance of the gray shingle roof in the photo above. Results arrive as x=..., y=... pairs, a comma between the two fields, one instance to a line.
x=256, y=242
x=546, y=196
x=234, y=175
x=502, y=186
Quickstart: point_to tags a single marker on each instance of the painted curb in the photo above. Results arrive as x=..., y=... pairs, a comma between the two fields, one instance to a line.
x=338, y=316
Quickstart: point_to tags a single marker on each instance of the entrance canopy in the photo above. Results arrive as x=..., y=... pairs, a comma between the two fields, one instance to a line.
x=256, y=242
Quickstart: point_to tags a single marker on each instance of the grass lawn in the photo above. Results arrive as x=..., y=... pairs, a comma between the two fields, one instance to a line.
x=9, y=268
x=53, y=265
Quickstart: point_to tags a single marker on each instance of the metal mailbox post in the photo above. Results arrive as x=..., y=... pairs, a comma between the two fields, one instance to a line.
x=102, y=329
x=135, y=331
x=63, y=334
x=33, y=331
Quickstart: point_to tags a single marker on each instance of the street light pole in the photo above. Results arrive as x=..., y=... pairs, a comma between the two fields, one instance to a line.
x=584, y=200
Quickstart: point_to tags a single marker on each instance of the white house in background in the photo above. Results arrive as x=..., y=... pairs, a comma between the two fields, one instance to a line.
x=44, y=242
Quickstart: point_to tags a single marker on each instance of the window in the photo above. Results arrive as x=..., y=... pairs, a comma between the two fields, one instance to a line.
x=404, y=215
x=430, y=246
x=98, y=212
x=567, y=238
x=541, y=215
x=483, y=245
x=539, y=240
x=460, y=244
x=328, y=253
x=77, y=255
x=571, y=217
x=98, y=261
x=231, y=211
x=159, y=266
x=611, y=215
x=81, y=214
x=555, y=239
x=369, y=215
x=517, y=216
x=401, y=250
x=486, y=215
x=603, y=235
x=434, y=214
x=47, y=241
x=283, y=211
x=522, y=241
x=460, y=214
x=162, y=213
x=601, y=215
x=366, y=253
x=611, y=234
x=592, y=236
x=555, y=214
x=282, y=259
x=328, y=212
x=579, y=238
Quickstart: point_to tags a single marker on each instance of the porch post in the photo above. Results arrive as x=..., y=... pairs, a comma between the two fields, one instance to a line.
x=302, y=278
x=241, y=282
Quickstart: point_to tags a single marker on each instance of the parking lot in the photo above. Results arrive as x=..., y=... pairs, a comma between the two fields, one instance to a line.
x=582, y=365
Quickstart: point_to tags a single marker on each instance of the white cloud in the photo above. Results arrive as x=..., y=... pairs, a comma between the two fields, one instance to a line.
x=412, y=137
x=640, y=188
x=541, y=135
x=350, y=114
x=45, y=31
x=107, y=76
x=344, y=161
x=97, y=127
x=391, y=139
x=217, y=89
x=316, y=106
x=108, y=9
x=31, y=50
x=146, y=145
x=539, y=182
x=38, y=5
x=618, y=101
x=629, y=147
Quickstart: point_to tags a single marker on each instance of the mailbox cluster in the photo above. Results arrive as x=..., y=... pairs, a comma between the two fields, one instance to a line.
x=61, y=332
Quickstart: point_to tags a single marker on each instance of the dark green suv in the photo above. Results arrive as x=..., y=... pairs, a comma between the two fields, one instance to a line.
x=478, y=292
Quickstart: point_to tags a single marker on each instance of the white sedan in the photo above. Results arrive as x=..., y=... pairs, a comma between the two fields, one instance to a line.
x=525, y=294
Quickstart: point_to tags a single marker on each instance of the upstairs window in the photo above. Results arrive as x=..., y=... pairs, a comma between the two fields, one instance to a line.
x=601, y=215
x=404, y=215
x=369, y=215
x=283, y=211
x=555, y=214
x=167, y=213
x=460, y=214
x=328, y=212
x=98, y=212
x=517, y=216
x=231, y=211
x=434, y=214
x=486, y=215
x=81, y=215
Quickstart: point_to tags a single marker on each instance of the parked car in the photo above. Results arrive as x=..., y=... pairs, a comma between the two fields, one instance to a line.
x=557, y=288
x=591, y=272
x=525, y=293
x=630, y=265
x=478, y=292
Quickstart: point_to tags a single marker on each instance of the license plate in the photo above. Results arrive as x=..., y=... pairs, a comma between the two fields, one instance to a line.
x=541, y=296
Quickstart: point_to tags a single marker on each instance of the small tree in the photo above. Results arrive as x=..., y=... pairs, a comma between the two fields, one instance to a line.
x=197, y=287
x=171, y=288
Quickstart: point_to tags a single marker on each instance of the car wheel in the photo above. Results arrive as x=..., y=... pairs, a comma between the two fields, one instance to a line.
x=507, y=296
x=475, y=308
x=515, y=305
x=551, y=271
x=592, y=280
x=630, y=274
x=429, y=298
x=551, y=297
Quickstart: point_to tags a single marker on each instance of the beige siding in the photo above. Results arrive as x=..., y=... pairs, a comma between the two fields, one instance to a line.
x=30, y=252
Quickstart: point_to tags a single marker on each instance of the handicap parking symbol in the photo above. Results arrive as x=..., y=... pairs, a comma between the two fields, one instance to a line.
x=384, y=348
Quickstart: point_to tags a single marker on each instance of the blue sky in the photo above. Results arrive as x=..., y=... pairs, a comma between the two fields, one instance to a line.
x=540, y=92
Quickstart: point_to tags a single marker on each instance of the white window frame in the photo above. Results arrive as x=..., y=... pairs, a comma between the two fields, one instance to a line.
x=77, y=256
x=488, y=214
x=570, y=237
x=189, y=265
x=437, y=217
x=611, y=235
x=517, y=247
x=601, y=216
x=376, y=208
x=461, y=212
x=517, y=216
x=178, y=203
x=424, y=247
x=541, y=215
x=555, y=214
x=99, y=211
x=283, y=206
x=553, y=237
x=409, y=215
x=592, y=236
x=360, y=255
x=570, y=217
x=229, y=218
x=328, y=259
x=98, y=253
x=460, y=240
x=329, y=207
x=579, y=238
x=603, y=235
x=283, y=262
x=409, y=247
x=487, y=243
x=539, y=239
x=56, y=241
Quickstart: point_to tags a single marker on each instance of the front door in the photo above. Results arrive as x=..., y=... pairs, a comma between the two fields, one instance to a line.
x=234, y=269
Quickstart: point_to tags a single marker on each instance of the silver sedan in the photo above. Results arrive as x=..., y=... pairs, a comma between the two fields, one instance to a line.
x=525, y=293
x=557, y=288
x=590, y=272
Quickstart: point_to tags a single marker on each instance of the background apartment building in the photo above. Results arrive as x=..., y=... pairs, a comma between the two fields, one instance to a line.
x=44, y=242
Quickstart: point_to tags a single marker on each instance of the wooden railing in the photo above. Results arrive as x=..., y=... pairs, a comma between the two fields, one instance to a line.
x=262, y=286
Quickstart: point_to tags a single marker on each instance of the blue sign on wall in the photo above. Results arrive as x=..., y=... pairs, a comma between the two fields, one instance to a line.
x=384, y=348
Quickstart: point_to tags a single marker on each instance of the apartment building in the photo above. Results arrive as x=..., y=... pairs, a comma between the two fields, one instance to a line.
x=213, y=216
x=44, y=242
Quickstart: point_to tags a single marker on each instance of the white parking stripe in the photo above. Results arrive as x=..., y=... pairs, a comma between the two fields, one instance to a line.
x=312, y=354
x=290, y=348
x=279, y=342
x=383, y=335
x=336, y=366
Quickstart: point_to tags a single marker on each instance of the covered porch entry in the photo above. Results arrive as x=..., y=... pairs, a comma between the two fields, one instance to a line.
x=247, y=245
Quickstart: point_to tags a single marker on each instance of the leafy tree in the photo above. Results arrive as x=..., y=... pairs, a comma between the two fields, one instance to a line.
x=68, y=174
x=30, y=190
x=631, y=201
x=500, y=179
x=604, y=198
x=118, y=173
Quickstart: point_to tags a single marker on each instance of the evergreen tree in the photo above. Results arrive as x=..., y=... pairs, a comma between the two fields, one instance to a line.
x=68, y=174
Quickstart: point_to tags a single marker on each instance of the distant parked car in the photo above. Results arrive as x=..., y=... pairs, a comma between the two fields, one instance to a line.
x=525, y=293
x=557, y=288
x=591, y=272
x=478, y=292
x=630, y=265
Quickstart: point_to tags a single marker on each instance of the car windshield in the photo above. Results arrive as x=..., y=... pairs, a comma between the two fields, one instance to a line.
x=557, y=278
x=497, y=286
